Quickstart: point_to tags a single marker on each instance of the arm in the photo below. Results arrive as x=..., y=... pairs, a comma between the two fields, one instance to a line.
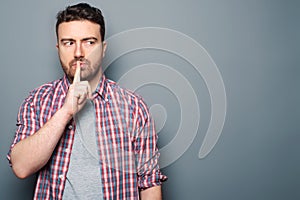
x=32, y=153
x=153, y=193
x=150, y=177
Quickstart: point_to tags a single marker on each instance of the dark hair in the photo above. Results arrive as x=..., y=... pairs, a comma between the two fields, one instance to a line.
x=81, y=11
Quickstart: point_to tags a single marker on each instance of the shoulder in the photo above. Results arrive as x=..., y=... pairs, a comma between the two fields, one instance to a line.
x=44, y=91
x=124, y=94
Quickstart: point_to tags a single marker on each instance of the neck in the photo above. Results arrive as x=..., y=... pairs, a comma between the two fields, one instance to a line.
x=95, y=81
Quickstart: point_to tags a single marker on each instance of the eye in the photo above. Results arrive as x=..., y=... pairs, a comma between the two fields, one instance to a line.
x=90, y=42
x=68, y=43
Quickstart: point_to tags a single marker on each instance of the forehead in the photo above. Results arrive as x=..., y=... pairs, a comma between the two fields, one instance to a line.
x=78, y=29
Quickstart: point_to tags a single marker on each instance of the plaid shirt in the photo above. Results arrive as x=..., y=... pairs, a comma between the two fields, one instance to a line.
x=126, y=140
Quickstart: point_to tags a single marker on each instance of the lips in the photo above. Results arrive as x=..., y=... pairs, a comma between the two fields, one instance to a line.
x=82, y=63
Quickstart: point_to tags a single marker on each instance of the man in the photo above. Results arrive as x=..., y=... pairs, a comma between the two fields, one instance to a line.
x=85, y=136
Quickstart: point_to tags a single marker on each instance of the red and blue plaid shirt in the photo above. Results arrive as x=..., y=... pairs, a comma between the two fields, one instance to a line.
x=126, y=140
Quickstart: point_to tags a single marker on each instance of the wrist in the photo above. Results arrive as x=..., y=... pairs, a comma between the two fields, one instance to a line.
x=65, y=114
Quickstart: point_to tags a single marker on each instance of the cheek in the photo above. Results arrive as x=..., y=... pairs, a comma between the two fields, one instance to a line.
x=65, y=59
x=65, y=64
x=95, y=55
x=65, y=53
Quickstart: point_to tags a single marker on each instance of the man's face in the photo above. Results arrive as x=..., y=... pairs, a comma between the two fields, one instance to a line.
x=81, y=40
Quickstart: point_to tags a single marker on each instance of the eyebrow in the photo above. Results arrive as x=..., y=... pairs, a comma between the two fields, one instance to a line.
x=84, y=39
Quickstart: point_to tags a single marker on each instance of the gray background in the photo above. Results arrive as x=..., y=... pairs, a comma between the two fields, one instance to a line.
x=255, y=45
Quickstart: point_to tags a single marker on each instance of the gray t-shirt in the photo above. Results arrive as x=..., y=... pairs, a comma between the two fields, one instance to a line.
x=84, y=177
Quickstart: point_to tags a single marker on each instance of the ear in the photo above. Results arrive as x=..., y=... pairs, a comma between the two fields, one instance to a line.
x=104, y=45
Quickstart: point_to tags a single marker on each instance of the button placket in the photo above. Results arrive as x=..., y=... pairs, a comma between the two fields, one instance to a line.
x=61, y=176
x=70, y=127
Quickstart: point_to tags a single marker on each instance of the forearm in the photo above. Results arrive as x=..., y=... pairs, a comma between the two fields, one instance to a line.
x=153, y=193
x=31, y=154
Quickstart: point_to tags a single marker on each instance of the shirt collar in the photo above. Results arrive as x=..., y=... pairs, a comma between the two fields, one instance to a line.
x=65, y=84
x=101, y=89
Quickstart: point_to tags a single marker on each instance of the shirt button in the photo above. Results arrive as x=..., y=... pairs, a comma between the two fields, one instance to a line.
x=61, y=176
x=67, y=150
x=70, y=127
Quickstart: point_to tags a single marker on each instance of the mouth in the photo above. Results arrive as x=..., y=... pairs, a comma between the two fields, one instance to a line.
x=76, y=64
x=82, y=63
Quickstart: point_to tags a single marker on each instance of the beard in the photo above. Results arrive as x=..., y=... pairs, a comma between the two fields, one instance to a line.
x=88, y=71
x=70, y=68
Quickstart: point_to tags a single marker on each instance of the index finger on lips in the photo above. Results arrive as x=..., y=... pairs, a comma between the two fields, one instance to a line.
x=77, y=73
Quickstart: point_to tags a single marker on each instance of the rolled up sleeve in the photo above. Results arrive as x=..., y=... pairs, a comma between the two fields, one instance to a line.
x=26, y=124
x=147, y=155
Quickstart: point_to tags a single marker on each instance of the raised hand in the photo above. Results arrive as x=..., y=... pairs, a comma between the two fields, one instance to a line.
x=79, y=92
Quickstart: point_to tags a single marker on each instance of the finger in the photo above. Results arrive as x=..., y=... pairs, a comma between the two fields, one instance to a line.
x=77, y=73
x=82, y=98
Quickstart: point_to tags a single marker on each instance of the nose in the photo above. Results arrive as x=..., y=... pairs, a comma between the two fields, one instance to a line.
x=79, y=52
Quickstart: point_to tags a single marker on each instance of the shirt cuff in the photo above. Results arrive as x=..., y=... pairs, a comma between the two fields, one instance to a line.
x=151, y=180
